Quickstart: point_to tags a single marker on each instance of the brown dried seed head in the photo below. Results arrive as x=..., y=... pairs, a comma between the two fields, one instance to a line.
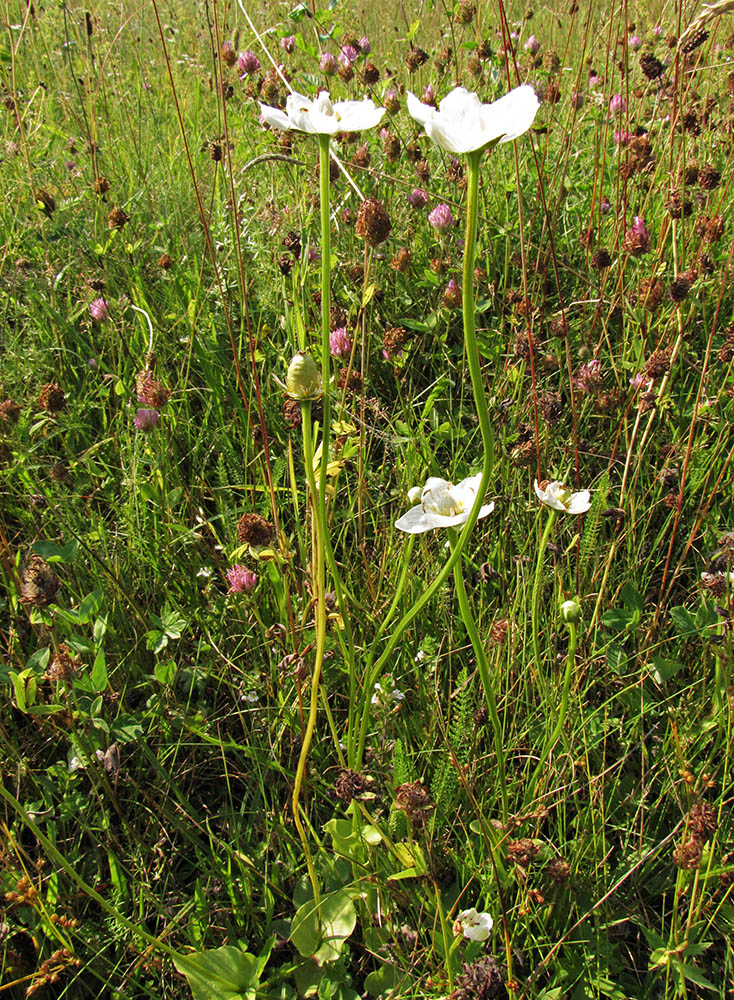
x=687, y=855
x=702, y=821
x=651, y=66
x=361, y=157
x=601, y=259
x=559, y=871
x=370, y=74
x=498, y=631
x=39, y=583
x=415, y=58
x=252, y=529
x=484, y=979
x=9, y=412
x=373, y=222
x=522, y=852
x=550, y=407
x=101, y=186
x=651, y=293
x=349, y=785
x=51, y=397
x=708, y=177
x=394, y=340
x=150, y=391
x=465, y=12
x=658, y=364
x=117, y=218
x=401, y=260
x=414, y=800
x=680, y=288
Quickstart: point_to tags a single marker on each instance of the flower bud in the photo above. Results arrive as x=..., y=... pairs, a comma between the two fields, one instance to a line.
x=303, y=380
x=571, y=611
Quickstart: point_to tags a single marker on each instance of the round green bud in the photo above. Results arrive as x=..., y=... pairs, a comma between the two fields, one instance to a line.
x=571, y=611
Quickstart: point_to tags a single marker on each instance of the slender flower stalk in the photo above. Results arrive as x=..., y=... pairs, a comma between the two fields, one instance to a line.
x=320, y=615
x=483, y=667
x=324, y=196
x=536, y=585
x=374, y=669
x=563, y=708
x=461, y=125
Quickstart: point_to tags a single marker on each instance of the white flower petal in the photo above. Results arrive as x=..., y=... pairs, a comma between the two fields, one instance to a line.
x=485, y=510
x=414, y=521
x=579, y=502
x=459, y=103
x=450, y=136
x=358, y=115
x=511, y=115
x=462, y=124
x=433, y=483
x=321, y=116
x=415, y=493
x=421, y=112
x=274, y=117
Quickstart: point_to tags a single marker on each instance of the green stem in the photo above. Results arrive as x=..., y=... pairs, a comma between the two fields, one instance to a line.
x=536, y=586
x=483, y=666
x=320, y=614
x=320, y=496
x=562, y=712
x=373, y=670
x=325, y=316
x=448, y=950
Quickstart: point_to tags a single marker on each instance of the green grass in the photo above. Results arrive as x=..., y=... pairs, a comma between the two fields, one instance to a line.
x=153, y=722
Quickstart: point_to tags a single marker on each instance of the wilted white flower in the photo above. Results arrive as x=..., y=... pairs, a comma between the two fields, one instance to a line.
x=560, y=497
x=443, y=505
x=473, y=925
x=463, y=124
x=321, y=116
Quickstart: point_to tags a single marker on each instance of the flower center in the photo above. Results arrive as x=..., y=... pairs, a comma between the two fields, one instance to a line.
x=442, y=501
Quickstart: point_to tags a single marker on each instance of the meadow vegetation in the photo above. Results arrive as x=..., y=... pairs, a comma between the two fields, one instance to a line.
x=257, y=740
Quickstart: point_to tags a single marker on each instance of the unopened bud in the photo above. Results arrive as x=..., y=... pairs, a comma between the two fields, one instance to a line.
x=303, y=380
x=571, y=611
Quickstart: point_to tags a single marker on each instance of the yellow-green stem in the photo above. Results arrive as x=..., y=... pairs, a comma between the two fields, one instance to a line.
x=320, y=615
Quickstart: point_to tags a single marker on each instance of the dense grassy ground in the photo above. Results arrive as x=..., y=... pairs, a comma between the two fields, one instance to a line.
x=153, y=719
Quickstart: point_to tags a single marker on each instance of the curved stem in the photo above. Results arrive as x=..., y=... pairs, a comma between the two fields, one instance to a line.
x=536, y=585
x=319, y=588
x=472, y=353
x=562, y=712
x=483, y=666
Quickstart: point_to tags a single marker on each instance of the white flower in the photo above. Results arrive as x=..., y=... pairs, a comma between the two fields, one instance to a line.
x=463, y=124
x=443, y=505
x=559, y=497
x=321, y=116
x=473, y=925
